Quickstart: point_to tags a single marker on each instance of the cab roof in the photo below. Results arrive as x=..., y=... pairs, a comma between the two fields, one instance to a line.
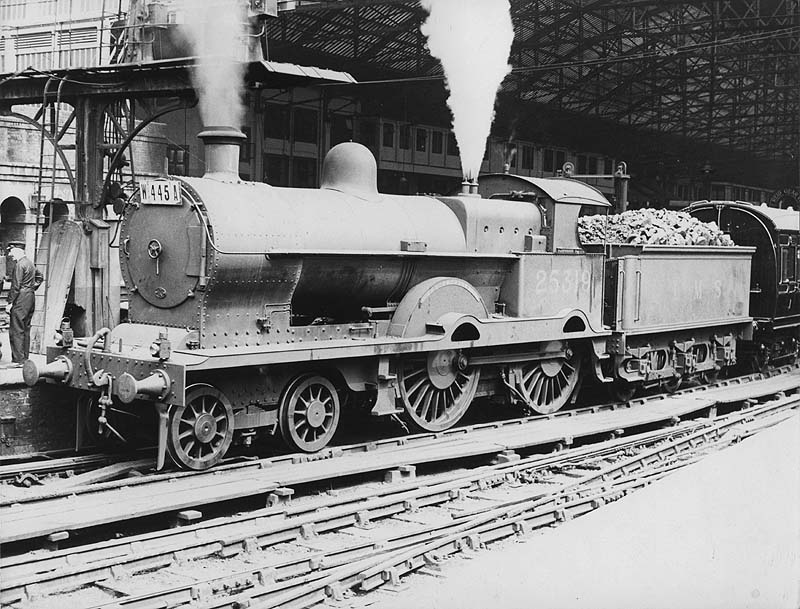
x=560, y=190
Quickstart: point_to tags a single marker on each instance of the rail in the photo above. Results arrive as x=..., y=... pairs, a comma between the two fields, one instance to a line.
x=308, y=579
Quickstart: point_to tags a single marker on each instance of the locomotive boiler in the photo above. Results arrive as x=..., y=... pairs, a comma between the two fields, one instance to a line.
x=242, y=262
x=256, y=309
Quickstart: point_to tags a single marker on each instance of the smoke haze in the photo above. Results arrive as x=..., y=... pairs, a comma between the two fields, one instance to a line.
x=472, y=39
x=215, y=30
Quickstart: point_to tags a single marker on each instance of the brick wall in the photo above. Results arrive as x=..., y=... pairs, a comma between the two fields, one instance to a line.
x=36, y=418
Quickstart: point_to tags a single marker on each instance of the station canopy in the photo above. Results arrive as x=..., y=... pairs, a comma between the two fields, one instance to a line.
x=721, y=71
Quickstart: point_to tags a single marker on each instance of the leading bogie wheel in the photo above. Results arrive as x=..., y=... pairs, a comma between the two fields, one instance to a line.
x=119, y=422
x=309, y=413
x=200, y=432
x=437, y=388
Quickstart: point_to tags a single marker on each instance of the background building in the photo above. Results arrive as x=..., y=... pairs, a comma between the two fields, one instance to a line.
x=687, y=107
x=700, y=98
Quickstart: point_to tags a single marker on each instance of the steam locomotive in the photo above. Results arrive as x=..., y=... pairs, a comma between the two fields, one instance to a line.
x=264, y=310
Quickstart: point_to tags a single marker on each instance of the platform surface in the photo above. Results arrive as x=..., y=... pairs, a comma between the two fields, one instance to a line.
x=721, y=534
x=12, y=376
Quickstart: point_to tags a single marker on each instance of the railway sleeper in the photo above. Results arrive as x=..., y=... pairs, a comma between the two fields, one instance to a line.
x=186, y=517
x=572, y=504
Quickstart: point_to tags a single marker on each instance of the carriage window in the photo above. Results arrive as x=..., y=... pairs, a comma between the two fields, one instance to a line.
x=304, y=172
x=452, y=145
x=437, y=142
x=788, y=263
x=422, y=140
x=561, y=158
x=305, y=125
x=388, y=135
x=368, y=133
x=527, y=157
x=547, y=163
x=276, y=121
x=796, y=262
x=405, y=137
x=276, y=170
x=177, y=160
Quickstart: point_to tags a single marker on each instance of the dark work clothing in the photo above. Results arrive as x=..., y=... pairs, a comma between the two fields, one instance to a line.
x=22, y=278
x=19, y=332
x=22, y=301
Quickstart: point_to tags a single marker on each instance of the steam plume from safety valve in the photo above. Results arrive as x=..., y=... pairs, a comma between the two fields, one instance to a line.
x=216, y=31
x=472, y=39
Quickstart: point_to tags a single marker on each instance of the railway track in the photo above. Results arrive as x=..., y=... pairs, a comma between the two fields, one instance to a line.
x=327, y=545
x=54, y=514
x=34, y=468
x=40, y=468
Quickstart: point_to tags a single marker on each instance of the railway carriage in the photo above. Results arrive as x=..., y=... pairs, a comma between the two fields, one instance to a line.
x=257, y=309
x=775, y=278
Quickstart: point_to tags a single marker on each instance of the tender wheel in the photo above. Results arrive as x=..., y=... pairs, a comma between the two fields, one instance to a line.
x=760, y=361
x=309, y=413
x=547, y=385
x=201, y=431
x=672, y=384
x=710, y=376
x=436, y=388
x=623, y=391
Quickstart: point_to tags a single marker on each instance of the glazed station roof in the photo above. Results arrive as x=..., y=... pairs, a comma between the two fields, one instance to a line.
x=726, y=71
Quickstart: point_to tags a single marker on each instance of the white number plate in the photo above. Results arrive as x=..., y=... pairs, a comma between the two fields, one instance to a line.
x=160, y=192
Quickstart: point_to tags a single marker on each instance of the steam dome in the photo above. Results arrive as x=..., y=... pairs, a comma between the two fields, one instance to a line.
x=350, y=168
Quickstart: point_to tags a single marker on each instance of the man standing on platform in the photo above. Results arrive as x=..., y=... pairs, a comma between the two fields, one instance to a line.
x=24, y=281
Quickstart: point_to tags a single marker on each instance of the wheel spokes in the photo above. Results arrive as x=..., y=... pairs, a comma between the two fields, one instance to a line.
x=548, y=384
x=189, y=447
x=200, y=431
x=309, y=413
x=435, y=393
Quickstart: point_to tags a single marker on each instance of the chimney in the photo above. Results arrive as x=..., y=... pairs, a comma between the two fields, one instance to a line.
x=222, y=152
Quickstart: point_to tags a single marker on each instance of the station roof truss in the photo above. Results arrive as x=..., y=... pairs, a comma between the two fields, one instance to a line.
x=723, y=71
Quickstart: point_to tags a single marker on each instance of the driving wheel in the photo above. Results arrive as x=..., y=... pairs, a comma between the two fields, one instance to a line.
x=547, y=384
x=436, y=389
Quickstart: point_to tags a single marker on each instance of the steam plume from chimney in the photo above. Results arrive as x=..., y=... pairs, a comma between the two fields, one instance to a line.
x=215, y=30
x=472, y=39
